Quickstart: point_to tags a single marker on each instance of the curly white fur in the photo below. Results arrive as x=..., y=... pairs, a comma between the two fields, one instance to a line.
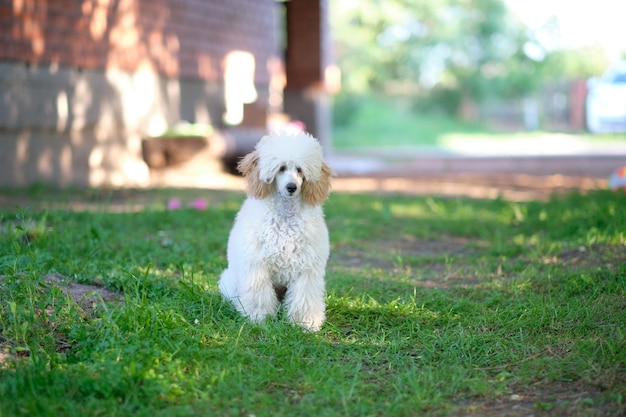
x=279, y=242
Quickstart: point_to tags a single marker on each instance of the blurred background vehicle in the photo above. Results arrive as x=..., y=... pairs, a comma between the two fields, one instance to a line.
x=606, y=101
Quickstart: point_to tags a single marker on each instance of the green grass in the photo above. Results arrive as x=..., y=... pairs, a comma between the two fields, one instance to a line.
x=377, y=122
x=435, y=307
x=370, y=122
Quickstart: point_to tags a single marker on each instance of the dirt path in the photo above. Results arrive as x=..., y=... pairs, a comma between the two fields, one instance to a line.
x=509, y=186
x=516, y=187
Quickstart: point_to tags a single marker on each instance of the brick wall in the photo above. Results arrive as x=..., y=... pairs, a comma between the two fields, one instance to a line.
x=83, y=81
x=304, y=57
x=177, y=38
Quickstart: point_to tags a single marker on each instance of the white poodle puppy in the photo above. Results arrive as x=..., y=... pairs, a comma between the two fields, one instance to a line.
x=278, y=246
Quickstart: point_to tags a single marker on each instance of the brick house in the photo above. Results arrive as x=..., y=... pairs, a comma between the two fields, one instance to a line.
x=83, y=81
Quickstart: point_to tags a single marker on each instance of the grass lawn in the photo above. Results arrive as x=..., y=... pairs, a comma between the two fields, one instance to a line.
x=384, y=123
x=374, y=123
x=435, y=307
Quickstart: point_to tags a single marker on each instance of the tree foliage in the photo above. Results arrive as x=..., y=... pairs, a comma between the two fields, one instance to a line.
x=584, y=62
x=442, y=52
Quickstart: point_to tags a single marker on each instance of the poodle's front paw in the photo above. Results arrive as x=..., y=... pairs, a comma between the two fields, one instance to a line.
x=310, y=322
x=256, y=315
x=313, y=328
x=258, y=306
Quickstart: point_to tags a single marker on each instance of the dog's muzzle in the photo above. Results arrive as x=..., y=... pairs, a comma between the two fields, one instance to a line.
x=291, y=187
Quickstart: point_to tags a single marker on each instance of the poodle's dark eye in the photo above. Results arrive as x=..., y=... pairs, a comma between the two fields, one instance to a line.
x=299, y=170
x=283, y=168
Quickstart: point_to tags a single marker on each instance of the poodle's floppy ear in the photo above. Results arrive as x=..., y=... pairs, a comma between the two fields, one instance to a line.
x=249, y=167
x=316, y=192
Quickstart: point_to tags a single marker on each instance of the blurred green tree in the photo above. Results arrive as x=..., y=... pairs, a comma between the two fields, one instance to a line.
x=445, y=54
x=581, y=63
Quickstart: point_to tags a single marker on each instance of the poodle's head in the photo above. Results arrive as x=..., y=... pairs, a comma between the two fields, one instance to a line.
x=290, y=165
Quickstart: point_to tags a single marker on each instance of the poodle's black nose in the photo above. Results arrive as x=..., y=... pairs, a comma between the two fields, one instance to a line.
x=291, y=188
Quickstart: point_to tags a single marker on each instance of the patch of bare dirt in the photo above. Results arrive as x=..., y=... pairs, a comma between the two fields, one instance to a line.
x=510, y=186
x=88, y=297
x=605, y=256
x=397, y=255
x=547, y=399
x=387, y=254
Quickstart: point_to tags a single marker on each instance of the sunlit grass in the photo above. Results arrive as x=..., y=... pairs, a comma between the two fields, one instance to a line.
x=435, y=306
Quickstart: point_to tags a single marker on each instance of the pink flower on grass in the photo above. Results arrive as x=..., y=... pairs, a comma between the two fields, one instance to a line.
x=199, y=204
x=174, y=204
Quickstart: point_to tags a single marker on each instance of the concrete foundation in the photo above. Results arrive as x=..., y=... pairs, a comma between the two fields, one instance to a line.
x=65, y=126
